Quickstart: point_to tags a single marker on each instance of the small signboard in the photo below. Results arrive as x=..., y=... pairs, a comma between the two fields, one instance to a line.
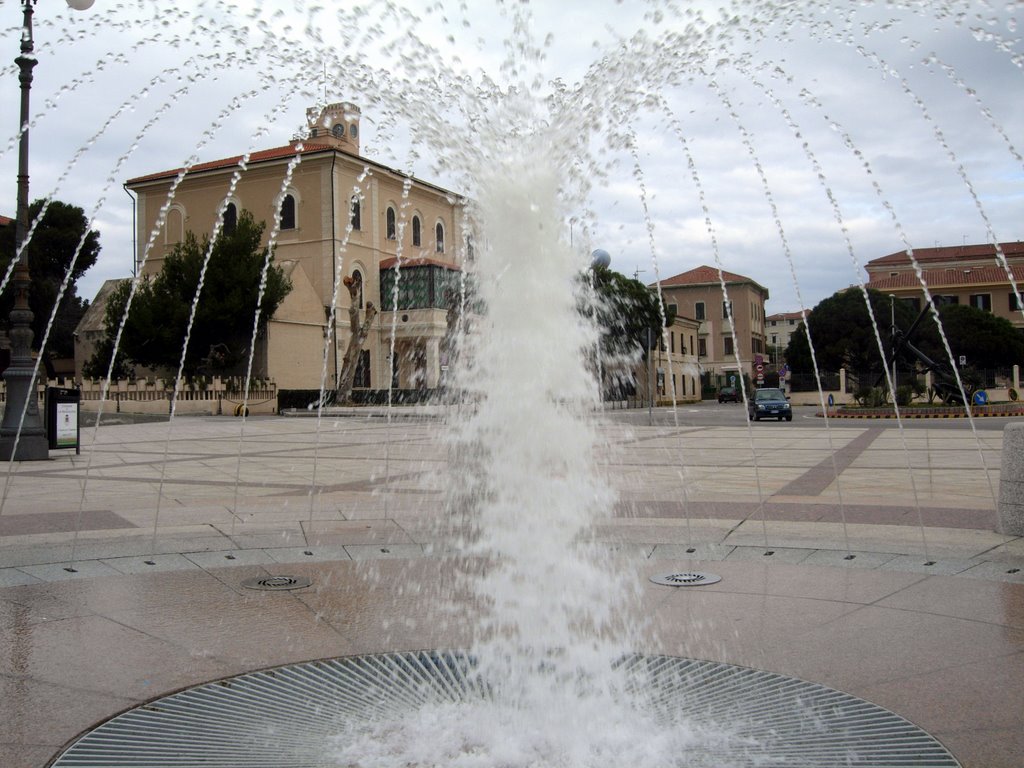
x=62, y=422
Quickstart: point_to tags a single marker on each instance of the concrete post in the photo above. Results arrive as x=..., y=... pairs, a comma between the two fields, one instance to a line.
x=1011, y=481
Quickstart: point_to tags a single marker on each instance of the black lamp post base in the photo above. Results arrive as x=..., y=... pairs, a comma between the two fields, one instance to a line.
x=30, y=448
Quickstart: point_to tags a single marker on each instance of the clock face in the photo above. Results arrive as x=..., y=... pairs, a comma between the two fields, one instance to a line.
x=339, y=131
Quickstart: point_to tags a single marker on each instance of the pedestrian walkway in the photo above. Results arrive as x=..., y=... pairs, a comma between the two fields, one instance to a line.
x=863, y=558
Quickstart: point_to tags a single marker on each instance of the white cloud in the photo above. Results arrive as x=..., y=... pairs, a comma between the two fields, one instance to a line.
x=439, y=74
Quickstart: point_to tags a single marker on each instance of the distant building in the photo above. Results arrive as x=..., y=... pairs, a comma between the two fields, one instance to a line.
x=963, y=274
x=676, y=366
x=780, y=328
x=341, y=214
x=697, y=294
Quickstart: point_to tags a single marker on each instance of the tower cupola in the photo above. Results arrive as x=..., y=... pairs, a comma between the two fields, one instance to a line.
x=336, y=124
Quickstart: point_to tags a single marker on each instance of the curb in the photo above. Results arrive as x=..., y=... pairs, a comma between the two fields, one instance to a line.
x=952, y=413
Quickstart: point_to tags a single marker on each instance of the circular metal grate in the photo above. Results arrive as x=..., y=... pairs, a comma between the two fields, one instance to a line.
x=688, y=579
x=282, y=718
x=277, y=583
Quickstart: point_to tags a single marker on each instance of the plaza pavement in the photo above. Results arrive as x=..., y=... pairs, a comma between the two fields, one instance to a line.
x=862, y=557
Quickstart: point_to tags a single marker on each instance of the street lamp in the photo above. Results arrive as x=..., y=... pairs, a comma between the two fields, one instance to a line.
x=31, y=444
x=892, y=341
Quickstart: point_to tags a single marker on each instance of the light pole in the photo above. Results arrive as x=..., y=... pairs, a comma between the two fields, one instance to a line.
x=892, y=341
x=31, y=444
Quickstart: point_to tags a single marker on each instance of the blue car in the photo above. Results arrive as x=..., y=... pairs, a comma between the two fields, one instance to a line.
x=767, y=403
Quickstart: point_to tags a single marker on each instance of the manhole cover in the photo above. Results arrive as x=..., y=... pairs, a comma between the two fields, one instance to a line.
x=686, y=579
x=277, y=583
x=286, y=717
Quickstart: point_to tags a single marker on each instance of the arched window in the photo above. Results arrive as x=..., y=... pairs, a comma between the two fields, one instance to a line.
x=439, y=237
x=174, y=230
x=416, y=237
x=230, y=218
x=358, y=277
x=288, y=212
x=355, y=209
x=391, y=228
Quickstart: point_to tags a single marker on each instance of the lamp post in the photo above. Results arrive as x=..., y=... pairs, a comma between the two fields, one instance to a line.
x=892, y=341
x=30, y=444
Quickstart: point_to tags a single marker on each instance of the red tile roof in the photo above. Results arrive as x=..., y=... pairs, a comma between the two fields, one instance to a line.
x=5, y=221
x=940, y=278
x=705, y=275
x=264, y=155
x=786, y=316
x=984, y=251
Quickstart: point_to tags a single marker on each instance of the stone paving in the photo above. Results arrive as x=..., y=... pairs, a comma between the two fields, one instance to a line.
x=862, y=557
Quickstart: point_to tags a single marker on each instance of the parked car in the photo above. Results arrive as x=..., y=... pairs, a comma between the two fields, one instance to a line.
x=768, y=402
x=728, y=395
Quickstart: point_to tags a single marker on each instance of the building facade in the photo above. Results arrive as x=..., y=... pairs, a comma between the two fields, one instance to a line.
x=731, y=324
x=967, y=274
x=340, y=214
x=779, y=329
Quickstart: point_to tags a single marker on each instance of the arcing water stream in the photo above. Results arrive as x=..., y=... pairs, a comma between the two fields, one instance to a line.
x=533, y=147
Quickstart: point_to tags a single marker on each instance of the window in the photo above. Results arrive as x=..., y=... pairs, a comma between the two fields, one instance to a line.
x=728, y=346
x=673, y=309
x=1015, y=302
x=288, y=212
x=391, y=227
x=982, y=301
x=673, y=348
x=947, y=299
x=913, y=302
x=416, y=237
x=362, y=377
x=355, y=214
x=726, y=309
x=357, y=277
x=420, y=287
x=439, y=237
x=702, y=350
x=691, y=343
x=698, y=310
x=230, y=218
x=174, y=232
x=792, y=321
x=353, y=130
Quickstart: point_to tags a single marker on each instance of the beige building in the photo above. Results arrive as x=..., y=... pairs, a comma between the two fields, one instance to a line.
x=340, y=213
x=675, y=364
x=967, y=274
x=697, y=294
x=779, y=329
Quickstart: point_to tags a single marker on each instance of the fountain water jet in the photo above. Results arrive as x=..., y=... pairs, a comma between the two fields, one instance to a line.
x=551, y=627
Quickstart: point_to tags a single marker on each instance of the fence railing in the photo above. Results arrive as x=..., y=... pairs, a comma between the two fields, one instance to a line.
x=149, y=396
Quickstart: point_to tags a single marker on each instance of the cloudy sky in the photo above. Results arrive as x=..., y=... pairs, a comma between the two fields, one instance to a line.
x=789, y=142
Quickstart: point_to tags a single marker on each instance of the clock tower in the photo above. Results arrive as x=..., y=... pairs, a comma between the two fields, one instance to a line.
x=336, y=124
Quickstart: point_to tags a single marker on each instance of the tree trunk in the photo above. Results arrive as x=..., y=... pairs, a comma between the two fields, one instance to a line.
x=359, y=332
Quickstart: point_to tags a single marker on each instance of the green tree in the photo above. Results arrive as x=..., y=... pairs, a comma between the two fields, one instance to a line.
x=986, y=340
x=843, y=334
x=222, y=331
x=50, y=253
x=626, y=309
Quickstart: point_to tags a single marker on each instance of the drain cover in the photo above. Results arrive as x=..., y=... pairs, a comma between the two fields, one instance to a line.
x=284, y=717
x=687, y=579
x=277, y=583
